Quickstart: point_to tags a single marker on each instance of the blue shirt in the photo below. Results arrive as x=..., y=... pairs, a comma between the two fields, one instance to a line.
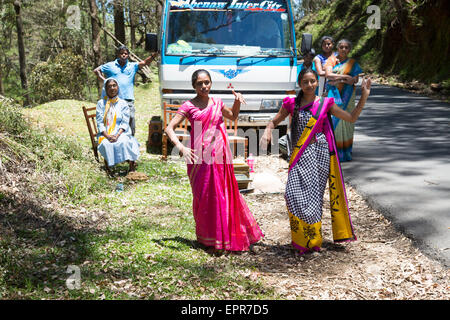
x=313, y=66
x=124, y=76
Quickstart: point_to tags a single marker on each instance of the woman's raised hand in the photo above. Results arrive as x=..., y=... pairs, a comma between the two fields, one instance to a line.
x=238, y=97
x=365, y=86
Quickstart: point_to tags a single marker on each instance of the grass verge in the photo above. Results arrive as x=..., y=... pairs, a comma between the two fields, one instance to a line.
x=60, y=213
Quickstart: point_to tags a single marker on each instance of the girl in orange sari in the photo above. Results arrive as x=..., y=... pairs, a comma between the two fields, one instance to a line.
x=223, y=220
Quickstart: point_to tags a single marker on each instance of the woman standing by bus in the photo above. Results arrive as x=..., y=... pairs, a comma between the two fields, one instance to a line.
x=342, y=74
x=223, y=220
x=313, y=163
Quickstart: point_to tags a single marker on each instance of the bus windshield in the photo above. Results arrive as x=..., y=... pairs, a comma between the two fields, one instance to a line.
x=234, y=27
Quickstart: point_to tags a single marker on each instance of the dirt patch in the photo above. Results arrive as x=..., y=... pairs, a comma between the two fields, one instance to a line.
x=381, y=264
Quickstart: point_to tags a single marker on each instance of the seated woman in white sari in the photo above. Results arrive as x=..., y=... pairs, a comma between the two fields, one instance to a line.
x=115, y=142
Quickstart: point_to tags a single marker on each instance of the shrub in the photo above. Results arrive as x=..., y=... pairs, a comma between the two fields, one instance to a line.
x=58, y=78
x=11, y=118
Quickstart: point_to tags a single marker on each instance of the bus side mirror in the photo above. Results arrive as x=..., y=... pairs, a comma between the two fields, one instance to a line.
x=306, y=42
x=151, y=42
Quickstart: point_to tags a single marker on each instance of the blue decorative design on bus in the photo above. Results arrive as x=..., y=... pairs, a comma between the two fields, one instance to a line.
x=230, y=73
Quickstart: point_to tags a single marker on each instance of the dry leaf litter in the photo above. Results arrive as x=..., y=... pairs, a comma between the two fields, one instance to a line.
x=381, y=264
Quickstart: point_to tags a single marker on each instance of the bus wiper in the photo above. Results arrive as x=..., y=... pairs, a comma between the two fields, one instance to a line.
x=215, y=51
x=249, y=56
x=209, y=52
x=187, y=56
x=202, y=51
x=271, y=53
x=212, y=51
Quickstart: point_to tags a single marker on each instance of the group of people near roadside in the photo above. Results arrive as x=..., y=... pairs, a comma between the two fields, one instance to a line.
x=223, y=219
x=338, y=74
x=319, y=129
x=115, y=113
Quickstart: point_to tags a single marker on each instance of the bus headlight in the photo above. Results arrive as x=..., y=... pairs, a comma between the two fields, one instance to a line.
x=271, y=104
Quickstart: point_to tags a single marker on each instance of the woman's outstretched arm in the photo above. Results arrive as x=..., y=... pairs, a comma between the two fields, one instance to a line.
x=267, y=136
x=352, y=117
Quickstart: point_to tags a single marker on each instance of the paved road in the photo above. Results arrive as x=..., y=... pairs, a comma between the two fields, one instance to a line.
x=401, y=164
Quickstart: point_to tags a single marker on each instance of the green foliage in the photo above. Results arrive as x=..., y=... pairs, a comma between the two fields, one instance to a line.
x=412, y=42
x=58, y=78
x=60, y=156
x=11, y=118
x=339, y=19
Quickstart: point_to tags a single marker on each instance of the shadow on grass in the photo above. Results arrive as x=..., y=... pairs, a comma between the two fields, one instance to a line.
x=38, y=244
x=187, y=242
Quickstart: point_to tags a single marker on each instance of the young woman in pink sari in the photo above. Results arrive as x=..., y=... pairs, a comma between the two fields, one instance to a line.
x=223, y=220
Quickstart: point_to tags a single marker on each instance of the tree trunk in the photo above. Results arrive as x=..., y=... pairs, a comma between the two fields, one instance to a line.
x=105, y=37
x=159, y=9
x=1, y=82
x=132, y=30
x=22, y=59
x=119, y=21
x=402, y=16
x=96, y=39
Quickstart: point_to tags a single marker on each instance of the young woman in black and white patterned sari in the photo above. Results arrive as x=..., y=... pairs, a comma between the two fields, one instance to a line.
x=313, y=162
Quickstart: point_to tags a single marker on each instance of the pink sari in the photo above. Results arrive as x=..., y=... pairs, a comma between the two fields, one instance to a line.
x=223, y=219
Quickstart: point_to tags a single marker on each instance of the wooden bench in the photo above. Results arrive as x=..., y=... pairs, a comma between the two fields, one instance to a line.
x=182, y=131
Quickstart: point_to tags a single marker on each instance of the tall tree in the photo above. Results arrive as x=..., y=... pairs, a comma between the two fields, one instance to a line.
x=133, y=19
x=2, y=92
x=22, y=58
x=96, y=38
x=119, y=21
x=105, y=36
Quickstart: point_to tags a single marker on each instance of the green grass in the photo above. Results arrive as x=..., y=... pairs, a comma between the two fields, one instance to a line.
x=139, y=243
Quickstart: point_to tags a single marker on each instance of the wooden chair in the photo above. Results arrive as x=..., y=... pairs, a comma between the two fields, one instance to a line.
x=89, y=115
x=91, y=122
x=182, y=132
x=232, y=131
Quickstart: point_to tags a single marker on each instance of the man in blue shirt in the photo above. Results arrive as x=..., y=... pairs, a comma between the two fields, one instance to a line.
x=124, y=72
